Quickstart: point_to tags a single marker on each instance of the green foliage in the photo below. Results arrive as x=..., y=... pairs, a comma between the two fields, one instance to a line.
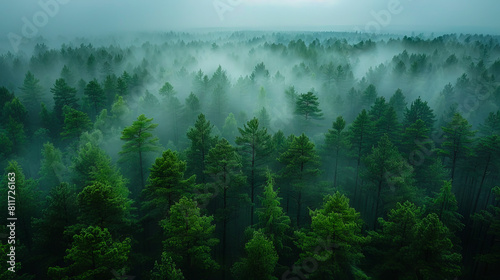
x=419, y=110
x=202, y=141
x=52, y=169
x=31, y=93
x=260, y=261
x=446, y=207
x=95, y=96
x=336, y=144
x=166, y=184
x=75, y=123
x=166, y=269
x=139, y=140
x=307, y=106
x=411, y=247
x=273, y=222
x=334, y=240
x=64, y=95
x=189, y=237
x=105, y=206
x=398, y=102
x=230, y=128
x=93, y=255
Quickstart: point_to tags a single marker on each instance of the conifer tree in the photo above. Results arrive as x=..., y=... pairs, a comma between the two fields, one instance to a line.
x=139, y=140
x=202, y=141
x=335, y=239
x=95, y=97
x=336, y=141
x=260, y=261
x=166, y=269
x=360, y=135
x=64, y=95
x=254, y=144
x=75, y=123
x=301, y=167
x=189, y=238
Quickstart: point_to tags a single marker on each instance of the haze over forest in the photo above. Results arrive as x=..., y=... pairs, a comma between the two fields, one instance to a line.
x=250, y=139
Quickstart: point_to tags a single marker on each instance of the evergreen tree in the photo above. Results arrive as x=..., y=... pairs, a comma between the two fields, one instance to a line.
x=230, y=128
x=95, y=97
x=301, y=167
x=93, y=255
x=457, y=139
x=52, y=170
x=336, y=141
x=260, y=261
x=419, y=110
x=166, y=184
x=307, y=106
x=75, y=123
x=487, y=153
x=192, y=107
x=105, y=206
x=166, y=269
x=335, y=239
x=64, y=95
x=254, y=144
x=139, y=140
x=224, y=165
x=398, y=102
x=189, y=238
x=446, y=208
x=31, y=94
x=273, y=222
x=201, y=142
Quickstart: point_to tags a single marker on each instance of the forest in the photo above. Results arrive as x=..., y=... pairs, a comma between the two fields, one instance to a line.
x=251, y=155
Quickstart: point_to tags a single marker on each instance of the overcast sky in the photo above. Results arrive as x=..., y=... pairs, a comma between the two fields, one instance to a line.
x=86, y=17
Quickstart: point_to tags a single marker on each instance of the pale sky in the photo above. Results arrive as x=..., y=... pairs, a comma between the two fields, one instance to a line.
x=88, y=17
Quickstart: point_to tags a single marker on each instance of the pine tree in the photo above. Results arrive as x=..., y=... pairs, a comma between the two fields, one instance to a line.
x=457, y=139
x=202, y=141
x=487, y=153
x=105, y=206
x=445, y=206
x=224, y=165
x=334, y=239
x=52, y=170
x=93, y=255
x=64, y=95
x=166, y=269
x=301, y=167
x=31, y=94
x=419, y=110
x=75, y=123
x=398, y=102
x=230, y=128
x=95, y=97
x=336, y=141
x=273, y=222
x=189, y=238
x=307, y=106
x=260, y=262
x=139, y=140
x=166, y=184
x=255, y=146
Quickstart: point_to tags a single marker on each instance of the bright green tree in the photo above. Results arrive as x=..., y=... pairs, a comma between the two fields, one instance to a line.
x=202, y=141
x=139, y=140
x=260, y=261
x=273, y=222
x=166, y=269
x=93, y=255
x=189, y=238
x=334, y=240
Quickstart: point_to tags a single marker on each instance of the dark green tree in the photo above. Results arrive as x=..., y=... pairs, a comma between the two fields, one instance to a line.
x=75, y=123
x=307, y=106
x=301, y=167
x=419, y=110
x=398, y=102
x=255, y=146
x=95, y=97
x=64, y=95
x=336, y=144
x=166, y=269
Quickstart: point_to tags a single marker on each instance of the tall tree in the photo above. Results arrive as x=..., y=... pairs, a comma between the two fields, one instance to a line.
x=254, y=143
x=223, y=164
x=75, y=123
x=31, y=94
x=166, y=269
x=189, y=238
x=260, y=261
x=95, y=97
x=336, y=141
x=457, y=140
x=202, y=141
x=398, y=102
x=273, y=222
x=64, y=95
x=93, y=255
x=307, y=106
x=301, y=167
x=166, y=184
x=419, y=110
x=139, y=140
x=336, y=231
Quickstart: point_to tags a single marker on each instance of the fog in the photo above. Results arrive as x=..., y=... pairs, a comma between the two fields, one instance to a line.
x=326, y=84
